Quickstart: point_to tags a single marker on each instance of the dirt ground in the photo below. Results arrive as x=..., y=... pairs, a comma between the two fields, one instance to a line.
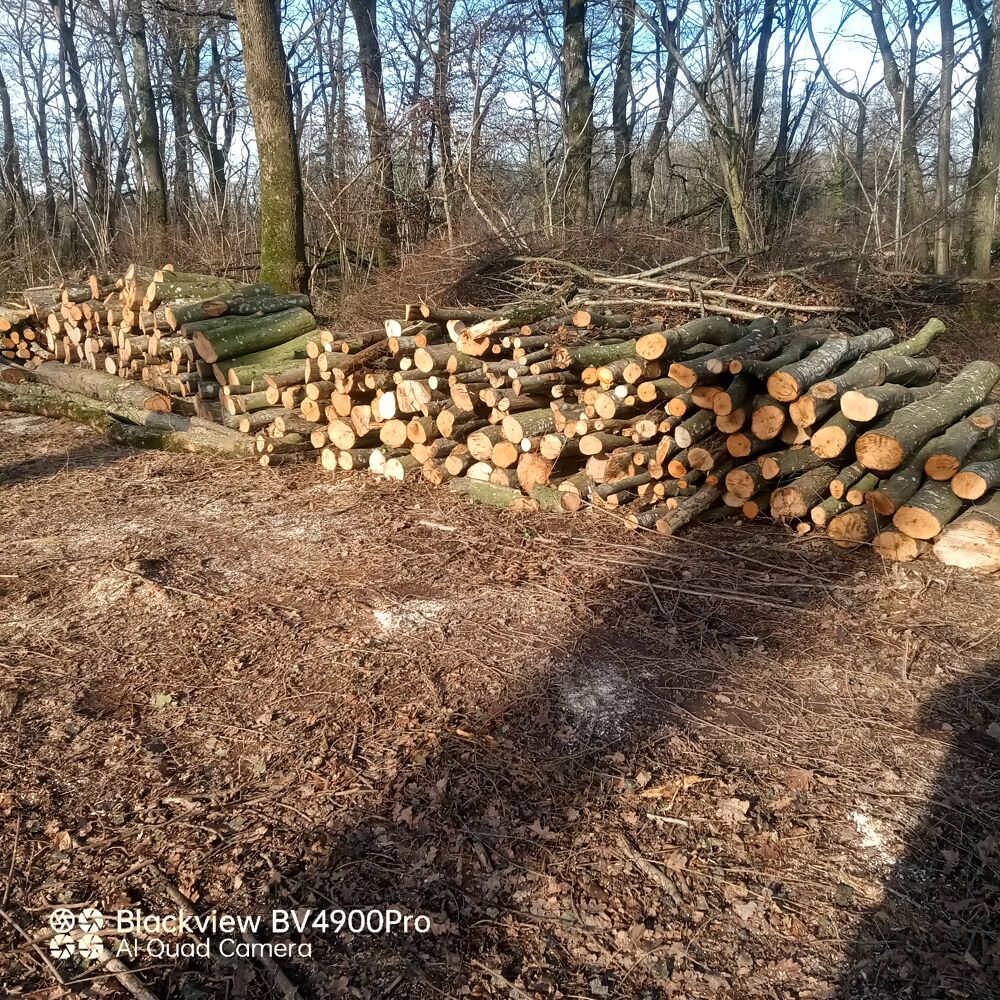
x=734, y=764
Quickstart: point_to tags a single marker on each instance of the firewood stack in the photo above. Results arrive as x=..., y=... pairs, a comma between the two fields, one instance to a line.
x=537, y=406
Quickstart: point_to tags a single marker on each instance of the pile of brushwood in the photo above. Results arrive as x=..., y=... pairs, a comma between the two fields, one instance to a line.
x=545, y=403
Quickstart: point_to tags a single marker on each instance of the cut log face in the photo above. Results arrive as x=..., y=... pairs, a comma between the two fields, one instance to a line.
x=797, y=498
x=972, y=541
x=853, y=528
x=894, y=546
x=976, y=479
x=928, y=511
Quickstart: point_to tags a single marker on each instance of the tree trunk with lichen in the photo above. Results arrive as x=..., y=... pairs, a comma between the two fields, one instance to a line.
x=282, y=233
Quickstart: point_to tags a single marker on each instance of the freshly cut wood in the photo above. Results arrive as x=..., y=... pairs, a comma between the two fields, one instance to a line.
x=932, y=507
x=833, y=438
x=101, y=386
x=791, y=462
x=708, y=330
x=893, y=492
x=746, y=480
x=959, y=440
x=853, y=528
x=972, y=541
x=806, y=491
x=822, y=514
x=909, y=428
x=855, y=496
x=976, y=480
x=876, y=369
x=792, y=380
x=687, y=511
x=865, y=405
x=767, y=417
x=895, y=546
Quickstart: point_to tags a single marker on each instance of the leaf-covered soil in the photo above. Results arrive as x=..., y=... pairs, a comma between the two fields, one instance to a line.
x=734, y=764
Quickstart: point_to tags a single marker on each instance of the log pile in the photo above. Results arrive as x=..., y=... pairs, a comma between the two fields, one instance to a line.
x=542, y=406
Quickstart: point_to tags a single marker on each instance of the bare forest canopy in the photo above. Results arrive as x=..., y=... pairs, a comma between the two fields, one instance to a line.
x=336, y=138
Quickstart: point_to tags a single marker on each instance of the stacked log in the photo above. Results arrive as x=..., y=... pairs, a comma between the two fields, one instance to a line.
x=540, y=406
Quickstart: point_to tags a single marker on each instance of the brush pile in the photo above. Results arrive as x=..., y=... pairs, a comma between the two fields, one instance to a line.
x=544, y=405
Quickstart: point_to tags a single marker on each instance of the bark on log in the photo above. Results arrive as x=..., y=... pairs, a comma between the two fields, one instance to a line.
x=864, y=405
x=853, y=528
x=958, y=442
x=792, y=380
x=972, y=541
x=708, y=330
x=797, y=498
x=976, y=480
x=822, y=514
x=910, y=427
x=876, y=369
x=792, y=461
x=894, y=546
x=231, y=337
x=273, y=361
x=496, y=496
x=101, y=386
x=691, y=508
x=924, y=515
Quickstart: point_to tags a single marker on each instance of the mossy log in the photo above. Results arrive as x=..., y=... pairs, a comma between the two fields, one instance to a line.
x=972, y=541
x=248, y=301
x=958, y=442
x=932, y=507
x=822, y=514
x=123, y=394
x=504, y=497
x=530, y=423
x=909, y=428
x=976, y=480
x=802, y=494
x=594, y=354
x=167, y=431
x=792, y=380
x=273, y=361
x=233, y=336
x=856, y=495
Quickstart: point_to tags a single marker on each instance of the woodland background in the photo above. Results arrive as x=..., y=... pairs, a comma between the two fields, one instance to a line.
x=326, y=142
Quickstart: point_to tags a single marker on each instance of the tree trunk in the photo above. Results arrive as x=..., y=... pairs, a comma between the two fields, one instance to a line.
x=282, y=234
x=149, y=125
x=10, y=169
x=982, y=183
x=578, y=112
x=942, y=238
x=380, y=148
x=621, y=125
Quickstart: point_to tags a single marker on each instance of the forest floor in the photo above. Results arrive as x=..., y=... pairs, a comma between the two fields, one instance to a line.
x=732, y=764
